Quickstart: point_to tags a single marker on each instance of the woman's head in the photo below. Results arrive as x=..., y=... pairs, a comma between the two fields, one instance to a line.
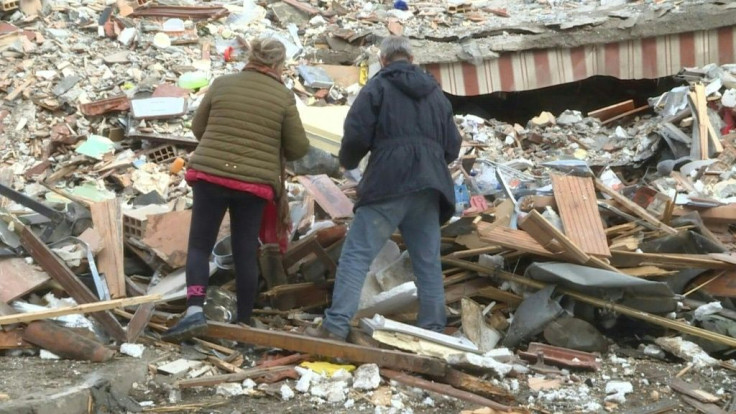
x=267, y=51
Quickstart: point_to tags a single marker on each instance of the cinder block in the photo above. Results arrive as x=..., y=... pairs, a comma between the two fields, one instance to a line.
x=162, y=154
x=7, y=5
x=133, y=227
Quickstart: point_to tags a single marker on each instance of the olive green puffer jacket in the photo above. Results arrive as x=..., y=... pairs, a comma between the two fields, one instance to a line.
x=243, y=122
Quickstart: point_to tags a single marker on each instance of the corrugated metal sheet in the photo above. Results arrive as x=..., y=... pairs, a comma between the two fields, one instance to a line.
x=652, y=57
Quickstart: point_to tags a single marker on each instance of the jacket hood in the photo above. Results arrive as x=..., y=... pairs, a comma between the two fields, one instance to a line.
x=409, y=79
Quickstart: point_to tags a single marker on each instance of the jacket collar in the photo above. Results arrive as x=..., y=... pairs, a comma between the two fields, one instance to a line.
x=268, y=71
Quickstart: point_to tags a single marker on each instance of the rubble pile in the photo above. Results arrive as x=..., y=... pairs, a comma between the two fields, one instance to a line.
x=585, y=246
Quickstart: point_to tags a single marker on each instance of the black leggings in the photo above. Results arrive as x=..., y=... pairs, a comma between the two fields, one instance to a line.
x=211, y=201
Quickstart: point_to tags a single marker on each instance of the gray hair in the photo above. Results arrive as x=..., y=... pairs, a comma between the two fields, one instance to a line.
x=395, y=48
x=267, y=51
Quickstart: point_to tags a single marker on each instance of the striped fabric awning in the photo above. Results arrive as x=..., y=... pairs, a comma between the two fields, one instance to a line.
x=652, y=57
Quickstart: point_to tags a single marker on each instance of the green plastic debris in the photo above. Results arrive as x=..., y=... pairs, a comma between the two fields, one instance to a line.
x=90, y=192
x=96, y=147
x=193, y=80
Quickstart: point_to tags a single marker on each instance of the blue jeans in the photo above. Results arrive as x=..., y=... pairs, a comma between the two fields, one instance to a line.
x=417, y=217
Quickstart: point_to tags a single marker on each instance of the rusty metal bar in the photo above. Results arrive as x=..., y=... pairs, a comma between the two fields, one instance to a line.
x=327, y=348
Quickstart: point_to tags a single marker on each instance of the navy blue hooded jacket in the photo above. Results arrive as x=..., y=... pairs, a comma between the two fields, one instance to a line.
x=402, y=117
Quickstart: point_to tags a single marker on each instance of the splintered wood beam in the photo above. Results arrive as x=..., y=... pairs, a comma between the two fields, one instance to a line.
x=668, y=261
x=327, y=348
x=604, y=114
x=600, y=303
x=552, y=239
x=107, y=218
x=78, y=309
x=471, y=383
x=59, y=271
x=236, y=377
x=513, y=239
x=633, y=207
x=448, y=390
x=139, y=321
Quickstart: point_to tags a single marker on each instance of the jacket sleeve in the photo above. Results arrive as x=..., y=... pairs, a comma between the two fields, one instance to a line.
x=199, y=122
x=453, y=139
x=360, y=127
x=293, y=138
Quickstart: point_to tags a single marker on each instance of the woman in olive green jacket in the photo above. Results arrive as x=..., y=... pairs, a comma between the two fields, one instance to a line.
x=247, y=124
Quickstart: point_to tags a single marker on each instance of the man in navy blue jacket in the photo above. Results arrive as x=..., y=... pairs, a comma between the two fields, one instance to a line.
x=406, y=123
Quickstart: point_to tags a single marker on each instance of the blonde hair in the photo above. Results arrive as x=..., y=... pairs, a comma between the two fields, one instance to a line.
x=267, y=51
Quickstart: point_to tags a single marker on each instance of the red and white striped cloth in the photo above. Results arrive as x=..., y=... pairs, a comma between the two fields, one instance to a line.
x=652, y=57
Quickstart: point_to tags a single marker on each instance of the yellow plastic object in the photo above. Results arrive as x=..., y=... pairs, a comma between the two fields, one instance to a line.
x=363, y=77
x=326, y=368
x=581, y=154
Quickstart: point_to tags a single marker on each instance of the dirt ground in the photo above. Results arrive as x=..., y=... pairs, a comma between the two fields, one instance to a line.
x=576, y=392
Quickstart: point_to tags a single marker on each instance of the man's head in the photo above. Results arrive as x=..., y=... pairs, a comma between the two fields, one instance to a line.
x=395, y=48
x=267, y=51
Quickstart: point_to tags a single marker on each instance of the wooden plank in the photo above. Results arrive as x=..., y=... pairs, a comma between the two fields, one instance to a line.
x=552, y=239
x=660, y=407
x=17, y=91
x=447, y=390
x=327, y=348
x=634, y=111
x=518, y=240
x=328, y=195
x=456, y=292
x=716, y=215
x=648, y=271
x=302, y=6
x=693, y=390
x=705, y=128
x=703, y=407
x=700, y=110
x=298, y=295
x=723, y=286
x=78, y=309
x=13, y=340
x=633, y=207
x=107, y=219
x=667, y=261
x=18, y=278
x=478, y=386
x=578, y=207
x=225, y=366
x=7, y=176
x=140, y=320
x=494, y=293
x=611, y=111
x=714, y=138
x=59, y=271
x=237, y=377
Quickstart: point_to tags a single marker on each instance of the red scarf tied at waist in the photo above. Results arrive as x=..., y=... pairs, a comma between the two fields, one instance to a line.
x=276, y=222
